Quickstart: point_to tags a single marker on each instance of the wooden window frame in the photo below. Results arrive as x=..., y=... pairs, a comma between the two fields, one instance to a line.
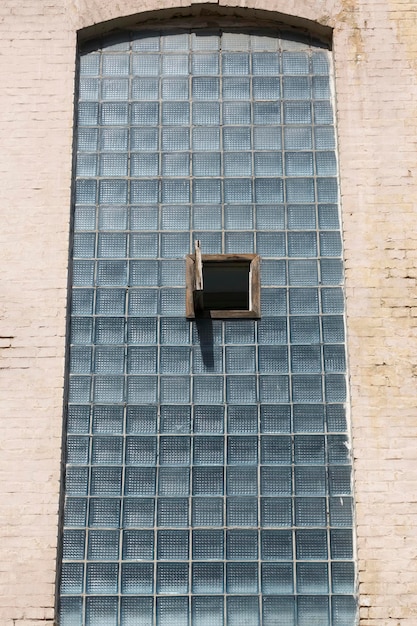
x=193, y=276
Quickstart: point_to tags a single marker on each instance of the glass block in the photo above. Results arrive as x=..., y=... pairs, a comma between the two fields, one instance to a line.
x=207, y=190
x=173, y=481
x=138, y=512
x=303, y=301
x=206, y=139
x=86, y=165
x=176, y=165
x=205, y=88
x=242, y=481
x=84, y=218
x=140, y=481
x=242, y=450
x=75, y=512
x=172, y=302
x=241, y=389
x=207, y=217
x=343, y=578
x=81, y=330
x=276, y=545
x=275, y=450
x=330, y=244
x=141, y=330
x=208, y=419
x=103, y=545
x=276, y=512
x=78, y=419
x=144, y=245
x=295, y=63
x=300, y=189
x=311, y=545
x=240, y=359
x=143, y=273
x=273, y=359
x=313, y=610
x=263, y=42
x=275, y=418
x=145, y=89
x=174, y=331
x=332, y=300
x=269, y=218
x=112, y=218
x=282, y=606
x=144, y=191
x=207, y=113
x=114, y=89
x=175, y=419
x=242, y=611
x=242, y=511
x=109, y=389
x=88, y=113
x=328, y=217
x=344, y=610
x=331, y=271
x=208, y=389
x=107, y=450
x=174, y=389
x=70, y=612
x=138, y=545
x=171, y=611
x=273, y=272
x=207, y=578
x=175, y=64
x=296, y=88
x=89, y=89
x=102, y=578
x=73, y=543
x=175, y=89
x=236, y=88
x=301, y=217
x=266, y=88
x=323, y=113
x=113, y=139
x=268, y=190
x=237, y=138
x=308, y=418
x=72, y=578
x=141, y=419
x=136, y=611
x=143, y=302
x=327, y=190
x=208, y=545
x=211, y=243
x=173, y=545
x=137, y=578
x=274, y=388
x=207, y=481
x=85, y=191
x=110, y=301
x=174, y=451
x=336, y=417
x=89, y=64
x=77, y=481
x=341, y=544
x=207, y=359
x=272, y=330
x=79, y=389
x=302, y=273
x=172, y=273
x=267, y=138
x=242, y=545
x=175, y=113
x=312, y=578
x=277, y=578
x=304, y=330
x=299, y=163
x=242, y=419
x=235, y=64
x=265, y=63
x=276, y=481
x=174, y=360
x=298, y=138
x=143, y=139
x=335, y=388
x=235, y=243
x=143, y=218
x=341, y=511
x=101, y=611
x=237, y=164
x=334, y=358
x=174, y=139
x=175, y=245
x=305, y=359
x=140, y=450
x=266, y=113
x=172, y=512
x=207, y=610
x=114, y=114
x=144, y=165
x=236, y=113
x=207, y=511
x=106, y=481
x=310, y=512
x=309, y=450
x=208, y=450
x=145, y=64
x=268, y=164
x=80, y=359
x=242, y=578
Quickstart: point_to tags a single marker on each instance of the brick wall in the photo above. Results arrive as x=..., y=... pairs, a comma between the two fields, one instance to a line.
x=375, y=56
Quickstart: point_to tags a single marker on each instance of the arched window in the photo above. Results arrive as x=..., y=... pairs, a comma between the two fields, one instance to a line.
x=208, y=469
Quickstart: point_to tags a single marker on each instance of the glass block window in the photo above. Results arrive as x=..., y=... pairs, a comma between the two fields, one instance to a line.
x=208, y=476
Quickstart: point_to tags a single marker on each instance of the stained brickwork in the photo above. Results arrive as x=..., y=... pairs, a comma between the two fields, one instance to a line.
x=375, y=58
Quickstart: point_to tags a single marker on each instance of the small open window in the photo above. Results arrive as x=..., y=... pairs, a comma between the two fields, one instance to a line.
x=222, y=285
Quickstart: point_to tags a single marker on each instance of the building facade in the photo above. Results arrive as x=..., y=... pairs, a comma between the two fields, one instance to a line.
x=163, y=470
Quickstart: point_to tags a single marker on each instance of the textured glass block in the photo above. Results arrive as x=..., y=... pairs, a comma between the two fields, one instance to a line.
x=173, y=545
x=137, y=578
x=300, y=189
x=265, y=63
x=208, y=481
x=140, y=481
x=207, y=611
x=140, y=450
x=208, y=419
x=236, y=242
x=297, y=138
x=174, y=331
x=331, y=271
x=174, y=139
x=241, y=389
x=296, y=88
x=327, y=190
x=311, y=545
x=275, y=418
x=295, y=63
x=138, y=545
x=110, y=301
x=269, y=218
x=145, y=89
x=240, y=359
x=172, y=273
x=208, y=450
x=207, y=217
x=208, y=389
x=115, y=64
x=174, y=360
x=77, y=481
x=205, y=88
x=207, y=578
x=242, y=481
x=89, y=64
x=84, y=245
x=332, y=300
x=109, y=330
x=174, y=451
x=305, y=359
x=341, y=544
x=242, y=545
x=175, y=419
x=114, y=114
x=112, y=245
x=72, y=578
x=103, y=545
x=111, y=273
x=242, y=450
x=303, y=301
x=75, y=512
x=101, y=611
x=79, y=389
x=282, y=606
x=138, y=512
x=141, y=419
x=301, y=217
x=312, y=578
x=207, y=190
x=236, y=138
x=143, y=273
x=274, y=388
x=175, y=113
x=236, y=88
x=207, y=511
x=80, y=359
x=173, y=481
x=175, y=64
x=276, y=545
x=112, y=218
x=174, y=89
x=175, y=191
x=84, y=218
x=275, y=450
x=88, y=113
x=102, y=578
x=299, y=163
x=73, y=544
x=272, y=330
x=268, y=164
x=171, y=611
x=211, y=243
x=309, y=450
x=242, y=611
x=267, y=113
x=304, y=330
x=313, y=610
x=206, y=139
x=273, y=359
x=172, y=302
x=343, y=578
x=208, y=545
x=302, y=273
x=266, y=88
x=242, y=578
x=70, y=612
x=78, y=419
x=237, y=164
x=136, y=611
x=263, y=42
x=114, y=89
x=238, y=217
x=107, y=450
x=207, y=113
x=335, y=388
x=273, y=272
x=114, y=139
x=86, y=165
x=277, y=578
x=267, y=138
x=144, y=191
x=172, y=512
x=242, y=419
x=144, y=165
x=85, y=191
x=341, y=513
x=143, y=140
x=328, y=217
x=176, y=165
x=235, y=64
x=106, y=481
x=174, y=389
x=145, y=64
x=308, y=417
x=144, y=245
x=276, y=512
x=330, y=244
x=141, y=330
x=236, y=113
x=143, y=302
x=334, y=358
x=268, y=190
x=323, y=113
x=310, y=512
